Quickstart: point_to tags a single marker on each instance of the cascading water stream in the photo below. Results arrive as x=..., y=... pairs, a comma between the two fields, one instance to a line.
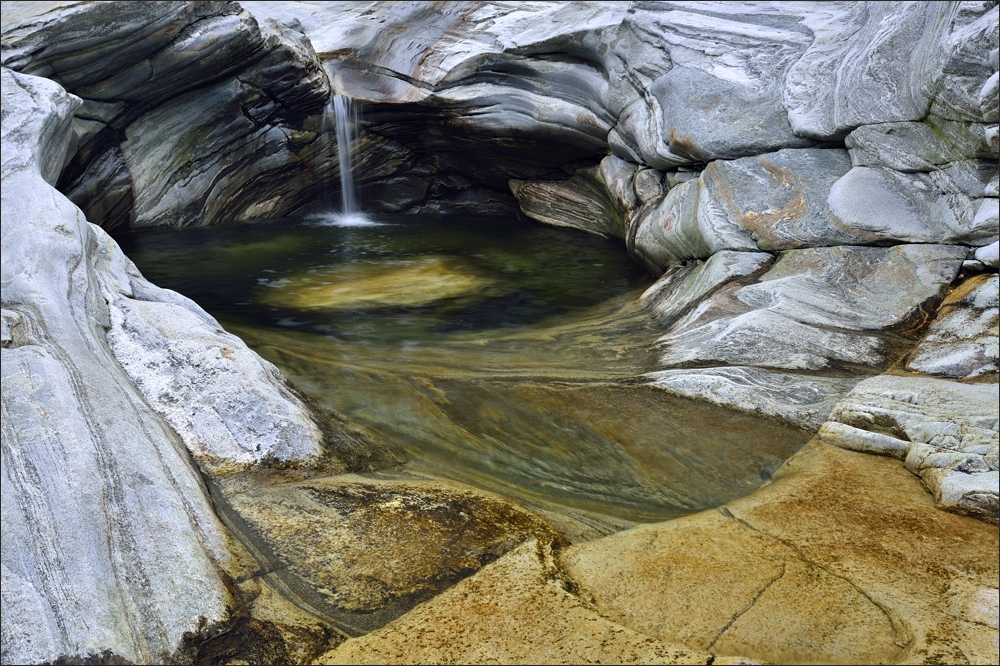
x=346, y=119
x=342, y=118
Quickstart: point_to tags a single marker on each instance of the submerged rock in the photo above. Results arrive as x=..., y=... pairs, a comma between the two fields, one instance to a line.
x=405, y=283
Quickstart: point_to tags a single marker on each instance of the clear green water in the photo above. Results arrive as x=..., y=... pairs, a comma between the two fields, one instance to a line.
x=493, y=352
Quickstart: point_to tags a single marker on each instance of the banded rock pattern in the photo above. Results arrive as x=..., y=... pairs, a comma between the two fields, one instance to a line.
x=808, y=180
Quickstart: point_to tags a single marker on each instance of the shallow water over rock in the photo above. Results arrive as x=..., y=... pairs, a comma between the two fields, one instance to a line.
x=491, y=352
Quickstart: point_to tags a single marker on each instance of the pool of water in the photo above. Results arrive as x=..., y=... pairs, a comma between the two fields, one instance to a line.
x=494, y=352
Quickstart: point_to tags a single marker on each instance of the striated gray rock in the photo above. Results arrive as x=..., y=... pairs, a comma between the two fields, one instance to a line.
x=815, y=308
x=668, y=231
x=773, y=202
x=695, y=106
x=925, y=146
x=110, y=544
x=910, y=207
x=115, y=53
x=878, y=63
x=199, y=113
x=684, y=285
x=805, y=400
x=194, y=113
x=582, y=202
x=963, y=340
x=945, y=431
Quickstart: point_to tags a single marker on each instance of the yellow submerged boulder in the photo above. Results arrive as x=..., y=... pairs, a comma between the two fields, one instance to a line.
x=409, y=282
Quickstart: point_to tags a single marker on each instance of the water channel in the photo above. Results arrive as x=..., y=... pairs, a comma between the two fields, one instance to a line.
x=494, y=352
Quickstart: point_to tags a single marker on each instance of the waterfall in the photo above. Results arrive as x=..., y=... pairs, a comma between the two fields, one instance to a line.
x=342, y=118
x=346, y=118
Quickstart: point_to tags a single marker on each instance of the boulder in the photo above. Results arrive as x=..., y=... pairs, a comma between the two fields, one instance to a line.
x=776, y=201
x=924, y=146
x=962, y=340
x=882, y=203
x=872, y=63
x=989, y=255
x=815, y=308
x=667, y=231
x=705, y=107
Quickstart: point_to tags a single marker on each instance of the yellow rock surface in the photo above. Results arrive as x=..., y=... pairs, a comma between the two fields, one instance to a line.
x=843, y=559
x=514, y=611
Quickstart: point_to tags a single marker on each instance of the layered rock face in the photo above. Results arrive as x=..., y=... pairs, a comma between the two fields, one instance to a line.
x=815, y=187
x=81, y=448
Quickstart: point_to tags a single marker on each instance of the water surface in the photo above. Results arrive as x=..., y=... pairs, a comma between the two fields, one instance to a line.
x=493, y=352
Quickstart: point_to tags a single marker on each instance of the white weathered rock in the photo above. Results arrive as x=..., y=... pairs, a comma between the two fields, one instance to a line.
x=989, y=254
x=109, y=540
x=945, y=430
x=227, y=404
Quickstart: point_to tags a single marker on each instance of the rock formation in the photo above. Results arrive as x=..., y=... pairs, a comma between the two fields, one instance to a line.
x=815, y=186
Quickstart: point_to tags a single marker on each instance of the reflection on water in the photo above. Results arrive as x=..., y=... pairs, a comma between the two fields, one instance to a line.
x=491, y=352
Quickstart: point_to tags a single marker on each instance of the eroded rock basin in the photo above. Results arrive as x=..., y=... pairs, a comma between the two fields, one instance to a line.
x=493, y=353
